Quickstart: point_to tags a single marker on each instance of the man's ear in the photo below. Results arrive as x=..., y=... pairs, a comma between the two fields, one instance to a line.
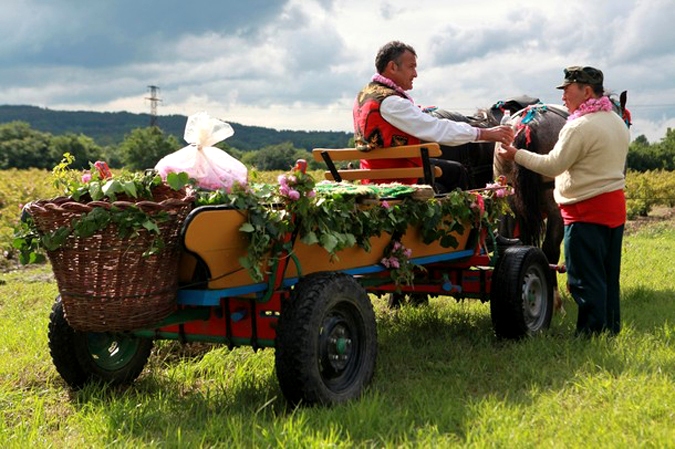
x=588, y=91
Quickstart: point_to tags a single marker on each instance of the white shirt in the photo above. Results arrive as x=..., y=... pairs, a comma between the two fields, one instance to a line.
x=404, y=115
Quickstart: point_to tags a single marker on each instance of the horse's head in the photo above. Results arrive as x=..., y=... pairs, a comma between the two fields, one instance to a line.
x=513, y=105
x=536, y=128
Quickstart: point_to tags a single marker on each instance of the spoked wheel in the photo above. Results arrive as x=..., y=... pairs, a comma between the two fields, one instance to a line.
x=90, y=357
x=521, y=300
x=326, y=341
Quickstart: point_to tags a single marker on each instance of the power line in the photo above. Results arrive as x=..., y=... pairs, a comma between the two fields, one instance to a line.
x=633, y=106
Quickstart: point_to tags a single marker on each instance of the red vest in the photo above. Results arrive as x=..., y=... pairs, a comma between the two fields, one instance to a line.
x=372, y=131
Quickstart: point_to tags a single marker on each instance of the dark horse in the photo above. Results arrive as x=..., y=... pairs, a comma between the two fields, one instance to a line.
x=477, y=157
x=537, y=216
x=537, y=220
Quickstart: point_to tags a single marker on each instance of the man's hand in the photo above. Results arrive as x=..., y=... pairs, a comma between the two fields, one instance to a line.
x=500, y=134
x=507, y=152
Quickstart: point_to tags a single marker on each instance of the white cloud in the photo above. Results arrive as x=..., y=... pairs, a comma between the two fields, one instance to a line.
x=298, y=64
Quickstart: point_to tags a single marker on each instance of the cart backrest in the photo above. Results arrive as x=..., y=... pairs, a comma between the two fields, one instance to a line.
x=423, y=151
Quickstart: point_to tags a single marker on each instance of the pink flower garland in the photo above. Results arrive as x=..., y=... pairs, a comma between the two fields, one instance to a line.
x=389, y=83
x=591, y=105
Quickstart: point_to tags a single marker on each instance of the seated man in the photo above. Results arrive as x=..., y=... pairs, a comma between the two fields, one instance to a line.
x=386, y=116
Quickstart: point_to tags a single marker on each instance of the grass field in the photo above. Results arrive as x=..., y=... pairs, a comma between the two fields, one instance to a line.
x=442, y=379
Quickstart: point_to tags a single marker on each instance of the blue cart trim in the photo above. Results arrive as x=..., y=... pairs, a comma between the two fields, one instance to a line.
x=210, y=298
x=443, y=257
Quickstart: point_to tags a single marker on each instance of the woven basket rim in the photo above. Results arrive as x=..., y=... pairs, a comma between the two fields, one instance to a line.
x=67, y=203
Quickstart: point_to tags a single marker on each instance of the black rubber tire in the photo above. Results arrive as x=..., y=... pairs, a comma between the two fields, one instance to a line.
x=326, y=341
x=521, y=302
x=89, y=357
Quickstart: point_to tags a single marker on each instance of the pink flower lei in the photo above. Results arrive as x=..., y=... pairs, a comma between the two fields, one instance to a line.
x=592, y=105
x=389, y=83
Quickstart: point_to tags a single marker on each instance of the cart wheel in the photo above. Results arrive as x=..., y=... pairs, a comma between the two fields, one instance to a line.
x=326, y=341
x=521, y=301
x=90, y=357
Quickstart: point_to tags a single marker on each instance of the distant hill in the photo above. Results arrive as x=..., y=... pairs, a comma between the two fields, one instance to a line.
x=110, y=128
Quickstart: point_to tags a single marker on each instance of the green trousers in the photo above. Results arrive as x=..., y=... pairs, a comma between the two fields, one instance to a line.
x=593, y=261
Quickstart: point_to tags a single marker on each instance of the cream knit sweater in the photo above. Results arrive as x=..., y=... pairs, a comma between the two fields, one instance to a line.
x=589, y=158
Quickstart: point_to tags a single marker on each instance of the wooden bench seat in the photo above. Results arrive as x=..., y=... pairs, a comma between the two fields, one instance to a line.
x=423, y=151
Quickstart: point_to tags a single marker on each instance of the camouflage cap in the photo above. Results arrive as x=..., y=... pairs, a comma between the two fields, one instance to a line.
x=583, y=75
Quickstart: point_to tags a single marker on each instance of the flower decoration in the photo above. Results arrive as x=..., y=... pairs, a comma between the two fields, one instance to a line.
x=296, y=184
x=495, y=196
x=103, y=170
x=99, y=184
x=478, y=204
x=332, y=216
x=500, y=187
x=397, y=260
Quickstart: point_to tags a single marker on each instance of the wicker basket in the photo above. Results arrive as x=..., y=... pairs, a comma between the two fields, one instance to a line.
x=105, y=282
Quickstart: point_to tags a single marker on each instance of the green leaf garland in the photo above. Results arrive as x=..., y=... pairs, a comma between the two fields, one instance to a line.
x=337, y=216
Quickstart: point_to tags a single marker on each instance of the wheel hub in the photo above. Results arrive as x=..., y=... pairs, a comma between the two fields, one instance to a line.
x=337, y=345
x=533, y=292
x=109, y=352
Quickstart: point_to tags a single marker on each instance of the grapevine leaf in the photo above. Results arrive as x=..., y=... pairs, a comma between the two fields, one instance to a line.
x=247, y=227
x=177, y=180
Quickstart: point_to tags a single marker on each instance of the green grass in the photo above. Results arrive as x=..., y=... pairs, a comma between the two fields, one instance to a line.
x=442, y=380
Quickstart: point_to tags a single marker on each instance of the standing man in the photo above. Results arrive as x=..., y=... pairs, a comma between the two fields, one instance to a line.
x=386, y=116
x=588, y=164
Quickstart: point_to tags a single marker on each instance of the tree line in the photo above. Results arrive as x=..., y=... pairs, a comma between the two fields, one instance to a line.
x=23, y=147
x=111, y=128
x=644, y=156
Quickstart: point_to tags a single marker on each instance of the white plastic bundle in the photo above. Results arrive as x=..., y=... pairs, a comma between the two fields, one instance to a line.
x=212, y=167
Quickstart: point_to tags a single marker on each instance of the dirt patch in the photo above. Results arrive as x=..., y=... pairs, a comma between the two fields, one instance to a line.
x=658, y=215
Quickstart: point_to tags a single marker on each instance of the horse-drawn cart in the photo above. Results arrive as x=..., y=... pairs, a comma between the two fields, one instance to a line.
x=313, y=305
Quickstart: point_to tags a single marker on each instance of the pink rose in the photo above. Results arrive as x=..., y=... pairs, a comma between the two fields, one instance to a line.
x=294, y=195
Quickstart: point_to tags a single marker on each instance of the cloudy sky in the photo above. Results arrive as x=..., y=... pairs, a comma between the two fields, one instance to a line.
x=298, y=64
